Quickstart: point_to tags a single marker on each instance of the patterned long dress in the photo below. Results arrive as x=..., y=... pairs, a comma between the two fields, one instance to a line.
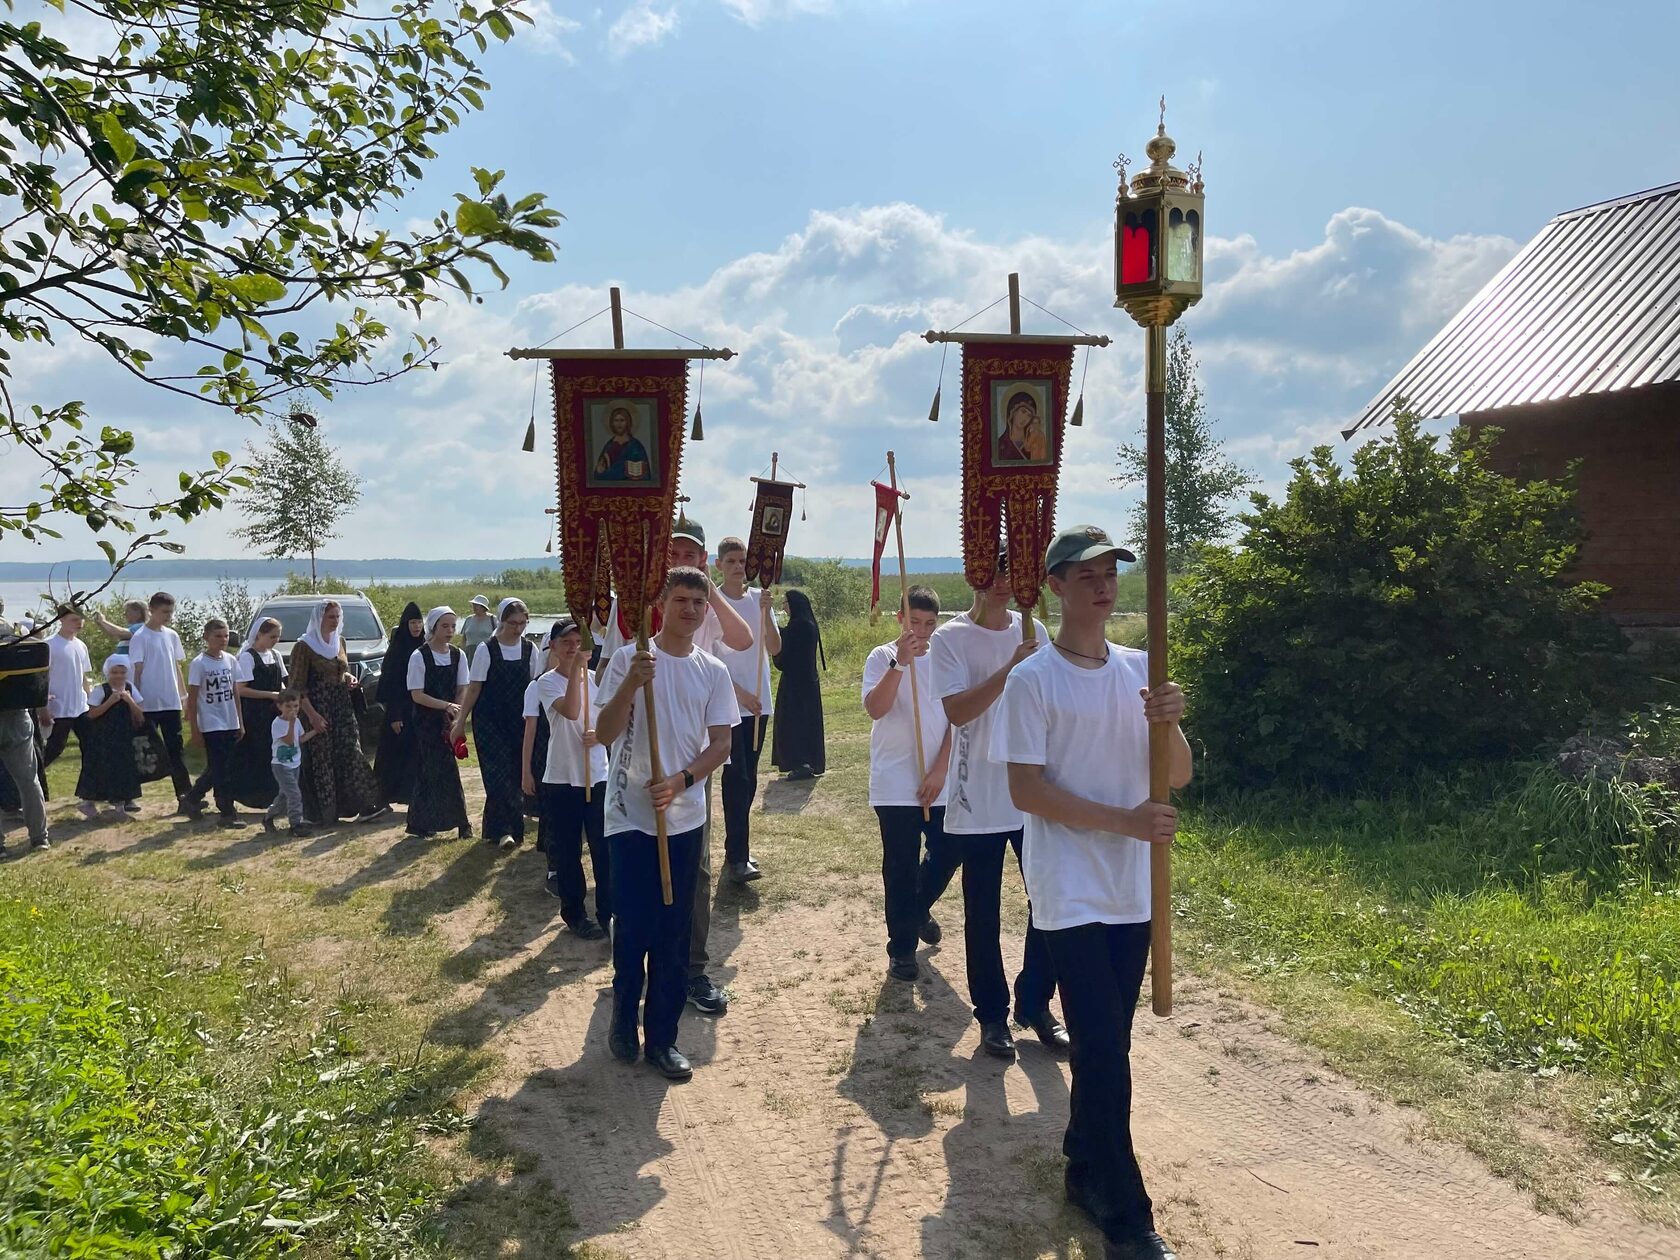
x=499, y=735
x=437, y=804
x=337, y=780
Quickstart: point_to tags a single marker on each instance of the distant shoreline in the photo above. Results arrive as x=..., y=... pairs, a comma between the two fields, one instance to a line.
x=247, y=569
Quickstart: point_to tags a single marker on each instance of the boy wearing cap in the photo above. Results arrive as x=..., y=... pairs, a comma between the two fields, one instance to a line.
x=972, y=656
x=899, y=790
x=721, y=628
x=696, y=704
x=479, y=625
x=1074, y=732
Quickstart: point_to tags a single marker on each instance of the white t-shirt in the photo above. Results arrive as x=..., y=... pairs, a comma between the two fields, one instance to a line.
x=1086, y=728
x=97, y=696
x=244, y=670
x=743, y=666
x=155, y=653
x=67, y=669
x=216, y=710
x=693, y=694
x=286, y=754
x=892, y=740
x=565, y=739
x=480, y=670
x=708, y=638
x=417, y=667
x=964, y=655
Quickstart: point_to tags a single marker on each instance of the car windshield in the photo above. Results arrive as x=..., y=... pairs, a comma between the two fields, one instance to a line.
x=359, y=621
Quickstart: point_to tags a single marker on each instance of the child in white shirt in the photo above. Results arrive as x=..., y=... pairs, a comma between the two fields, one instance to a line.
x=287, y=736
x=217, y=723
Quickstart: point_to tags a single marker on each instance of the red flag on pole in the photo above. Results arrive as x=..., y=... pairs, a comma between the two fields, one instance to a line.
x=886, y=507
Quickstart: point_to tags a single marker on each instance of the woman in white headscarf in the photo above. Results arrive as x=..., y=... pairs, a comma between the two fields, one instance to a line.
x=500, y=672
x=337, y=780
x=437, y=682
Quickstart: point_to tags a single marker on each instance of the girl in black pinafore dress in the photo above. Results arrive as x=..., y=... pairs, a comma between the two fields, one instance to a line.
x=496, y=701
x=436, y=688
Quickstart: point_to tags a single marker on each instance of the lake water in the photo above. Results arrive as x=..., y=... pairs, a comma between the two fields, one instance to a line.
x=24, y=596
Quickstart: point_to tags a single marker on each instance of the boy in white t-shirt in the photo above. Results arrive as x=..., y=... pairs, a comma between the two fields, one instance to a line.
x=973, y=655
x=696, y=713
x=575, y=760
x=156, y=654
x=287, y=736
x=68, y=667
x=907, y=780
x=1074, y=731
x=750, y=672
x=217, y=722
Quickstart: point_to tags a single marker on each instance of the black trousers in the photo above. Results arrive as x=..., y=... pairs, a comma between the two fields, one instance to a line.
x=168, y=724
x=1100, y=967
x=740, y=788
x=218, y=770
x=566, y=821
x=650, y=938
x=982, y=887
x=59, y=739
x=911, y=880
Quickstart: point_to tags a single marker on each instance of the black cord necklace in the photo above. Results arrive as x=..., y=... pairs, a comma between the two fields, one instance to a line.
x=1086, y=655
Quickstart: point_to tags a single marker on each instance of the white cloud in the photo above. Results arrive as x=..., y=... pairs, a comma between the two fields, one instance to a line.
x=639, y=26
x=833, y=371
x=756, y=12
x=549, y=31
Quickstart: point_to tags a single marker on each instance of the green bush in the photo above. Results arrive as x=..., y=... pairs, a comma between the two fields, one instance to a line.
x=1414, y=613
x=836, y=590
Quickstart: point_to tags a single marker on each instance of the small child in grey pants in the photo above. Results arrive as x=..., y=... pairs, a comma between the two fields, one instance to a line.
x=288, y=736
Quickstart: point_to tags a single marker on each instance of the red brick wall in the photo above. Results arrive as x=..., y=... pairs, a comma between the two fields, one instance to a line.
x=1628, y=487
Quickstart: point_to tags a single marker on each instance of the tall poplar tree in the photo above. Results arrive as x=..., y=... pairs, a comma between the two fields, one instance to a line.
x=299, y=494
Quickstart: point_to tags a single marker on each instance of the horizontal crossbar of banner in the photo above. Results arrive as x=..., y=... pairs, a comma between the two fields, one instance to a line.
x=706, y=353
x=1025, y=339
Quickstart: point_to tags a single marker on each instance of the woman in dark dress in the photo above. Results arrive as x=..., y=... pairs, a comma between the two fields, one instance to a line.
x=337, y=780
x=109, y=771
x=261, y=674
x=501, y=670
x=437, y=682
x=797, y=746
x=393, y=763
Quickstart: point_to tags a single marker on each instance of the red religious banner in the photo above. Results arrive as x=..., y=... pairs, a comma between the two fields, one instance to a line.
x=767, y=543
x=1014, y=401
x=886, y=507
x=618, y=439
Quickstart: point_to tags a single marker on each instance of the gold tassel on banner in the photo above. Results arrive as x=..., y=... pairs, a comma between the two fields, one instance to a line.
x=530, y=442
x=933, y=412
x=1078, y=412
x=697, y=434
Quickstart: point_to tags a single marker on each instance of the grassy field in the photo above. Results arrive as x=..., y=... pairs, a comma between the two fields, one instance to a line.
x=1500, y=953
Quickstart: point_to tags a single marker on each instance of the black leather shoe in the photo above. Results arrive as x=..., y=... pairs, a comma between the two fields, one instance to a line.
x=930, y=931
x=670, y=1063
x=587, y=930
x=996, y=1041
x=1149, y=1246
x=1049, y=1030
x=622, y=1043
x=744, y=872
x=904, y=969
x=706, y=997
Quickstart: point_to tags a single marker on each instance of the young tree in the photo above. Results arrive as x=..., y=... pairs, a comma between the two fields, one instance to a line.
x=299, y=493
x=188, y=184
x=1201, y=479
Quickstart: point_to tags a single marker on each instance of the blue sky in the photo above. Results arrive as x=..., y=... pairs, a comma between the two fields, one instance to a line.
x=814, y=182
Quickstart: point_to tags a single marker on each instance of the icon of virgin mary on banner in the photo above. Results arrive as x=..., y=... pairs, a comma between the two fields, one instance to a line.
x=1014, y=403
x=618, y=438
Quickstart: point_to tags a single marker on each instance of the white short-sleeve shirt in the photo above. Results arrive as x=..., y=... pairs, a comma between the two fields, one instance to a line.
x=708, y=638
x=480, y=670
x=747, y=669
x=245, y=670
x=1086, y=728
x=892, y=739
x=417, y=667
x=215, y=709
x=67, y=669
x=566, y=762
x=155, y=653
x=964, y=655
x=693, y=693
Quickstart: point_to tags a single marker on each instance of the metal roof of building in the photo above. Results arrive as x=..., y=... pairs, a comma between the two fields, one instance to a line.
x=1589, y=306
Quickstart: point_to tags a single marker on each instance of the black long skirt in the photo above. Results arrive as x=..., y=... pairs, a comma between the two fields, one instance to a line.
x=499, y=743
x=394, y=761
x=109, y=771
x=437, y=803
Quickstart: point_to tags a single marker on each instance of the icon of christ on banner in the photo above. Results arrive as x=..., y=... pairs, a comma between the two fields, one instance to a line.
x=620, y=455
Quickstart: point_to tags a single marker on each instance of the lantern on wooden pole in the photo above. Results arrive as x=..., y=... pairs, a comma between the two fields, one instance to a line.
x=1158, y=238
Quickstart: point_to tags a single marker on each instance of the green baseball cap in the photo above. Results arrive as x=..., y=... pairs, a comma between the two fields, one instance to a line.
x=1083, y=542
x=691, y=530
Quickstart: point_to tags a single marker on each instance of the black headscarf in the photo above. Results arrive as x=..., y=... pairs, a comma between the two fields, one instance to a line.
x=800, y=610
x=394, y=673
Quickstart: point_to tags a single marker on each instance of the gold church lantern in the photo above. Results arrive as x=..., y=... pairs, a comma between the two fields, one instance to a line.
x=1158, y=235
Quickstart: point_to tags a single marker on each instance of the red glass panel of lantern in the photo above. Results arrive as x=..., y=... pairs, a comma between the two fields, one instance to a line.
x=1137, y=248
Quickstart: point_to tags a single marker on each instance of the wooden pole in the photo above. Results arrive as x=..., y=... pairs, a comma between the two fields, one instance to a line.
x=654, y=768
x=766, y=602
x=904, y=611
x=617, y=323
x=588, y=789
x=1155, y=575
x=1014, y=304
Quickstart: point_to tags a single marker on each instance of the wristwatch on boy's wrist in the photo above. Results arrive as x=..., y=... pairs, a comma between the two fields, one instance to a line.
x=688, y=778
